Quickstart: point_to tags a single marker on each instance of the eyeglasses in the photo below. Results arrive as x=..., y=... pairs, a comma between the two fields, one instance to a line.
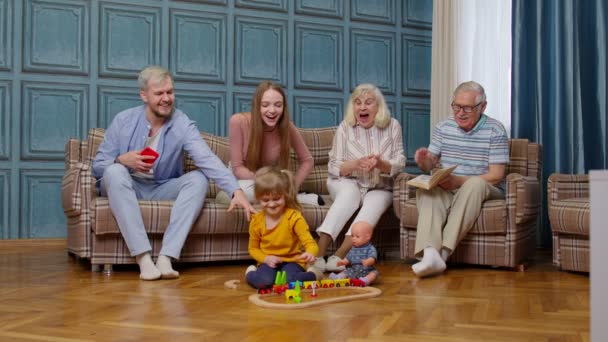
x=467, y=109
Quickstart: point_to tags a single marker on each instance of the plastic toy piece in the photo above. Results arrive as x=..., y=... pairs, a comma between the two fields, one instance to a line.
x=294, y=293
x=314, y=286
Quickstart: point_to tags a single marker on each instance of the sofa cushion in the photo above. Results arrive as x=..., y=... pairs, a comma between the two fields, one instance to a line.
x=319, y=142
x=570, y=216
x=492, y=220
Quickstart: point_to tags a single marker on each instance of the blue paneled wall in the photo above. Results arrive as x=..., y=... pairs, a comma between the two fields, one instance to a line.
x=69, y=65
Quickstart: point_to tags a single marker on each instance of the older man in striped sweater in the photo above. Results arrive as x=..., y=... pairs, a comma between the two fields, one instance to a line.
x=479, y=145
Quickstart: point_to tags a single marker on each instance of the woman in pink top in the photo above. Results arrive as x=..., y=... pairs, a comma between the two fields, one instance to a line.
x=366, y=155
x=264, y=137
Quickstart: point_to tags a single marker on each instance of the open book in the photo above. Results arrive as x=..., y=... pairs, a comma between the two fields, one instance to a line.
x=430, y=181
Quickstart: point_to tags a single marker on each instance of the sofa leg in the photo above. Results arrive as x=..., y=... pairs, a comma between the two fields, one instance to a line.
x=95, y=268
x=520, y=267
x=107, y=269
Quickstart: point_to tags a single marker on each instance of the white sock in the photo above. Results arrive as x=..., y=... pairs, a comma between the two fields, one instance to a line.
x=164, y=266
x=147, y=270
x=445, y=253
x=430, y=264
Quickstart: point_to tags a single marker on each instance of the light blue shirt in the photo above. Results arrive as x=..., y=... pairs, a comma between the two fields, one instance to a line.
x=473, y=151
x=129, y=130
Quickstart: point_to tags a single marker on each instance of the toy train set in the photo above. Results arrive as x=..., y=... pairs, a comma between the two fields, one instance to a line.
x=300, y=294
x=281, y=286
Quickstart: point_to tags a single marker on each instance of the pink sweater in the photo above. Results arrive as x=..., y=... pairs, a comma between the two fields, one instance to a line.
x=238, y=135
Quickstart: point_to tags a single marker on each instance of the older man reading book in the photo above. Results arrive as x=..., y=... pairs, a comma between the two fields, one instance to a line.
x=479, y=148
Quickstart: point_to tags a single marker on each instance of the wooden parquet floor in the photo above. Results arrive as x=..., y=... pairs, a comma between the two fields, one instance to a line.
x=45, y=295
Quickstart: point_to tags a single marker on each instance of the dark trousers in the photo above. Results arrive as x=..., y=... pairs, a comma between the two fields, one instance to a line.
x=265, y=275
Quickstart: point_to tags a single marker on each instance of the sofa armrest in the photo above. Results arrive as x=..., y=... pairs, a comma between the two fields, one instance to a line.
x=564, y=186
x=523, y=198
x=77, y=189
x=402, y=192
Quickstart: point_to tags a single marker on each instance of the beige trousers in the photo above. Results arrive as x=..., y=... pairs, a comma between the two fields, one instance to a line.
x=436, y=228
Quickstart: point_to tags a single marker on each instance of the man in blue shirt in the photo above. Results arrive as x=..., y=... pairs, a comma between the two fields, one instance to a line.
x=128, y=175
x=479, y=146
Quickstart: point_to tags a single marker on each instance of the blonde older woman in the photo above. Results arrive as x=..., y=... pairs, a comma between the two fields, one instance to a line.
x=367, y=153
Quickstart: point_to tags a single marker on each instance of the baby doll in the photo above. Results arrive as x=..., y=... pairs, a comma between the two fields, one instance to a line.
x=361, y=258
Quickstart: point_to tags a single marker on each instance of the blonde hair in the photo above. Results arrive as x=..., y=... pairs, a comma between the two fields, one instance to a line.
x=272, y=180
x=383, y=116
x=152, y=73
x=253, y=160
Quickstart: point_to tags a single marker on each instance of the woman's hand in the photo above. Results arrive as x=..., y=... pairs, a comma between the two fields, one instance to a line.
x=272, y=260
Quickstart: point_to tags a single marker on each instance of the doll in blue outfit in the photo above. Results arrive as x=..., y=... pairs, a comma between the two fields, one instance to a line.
x=361, y=258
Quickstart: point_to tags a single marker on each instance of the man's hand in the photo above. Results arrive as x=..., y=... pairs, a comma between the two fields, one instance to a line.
x=239, y=199
x=426, y=160
x=272, y=260
x=309, y=258
x=135, y=161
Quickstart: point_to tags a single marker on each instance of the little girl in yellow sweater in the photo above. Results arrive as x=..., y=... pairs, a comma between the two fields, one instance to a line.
x=279, y=237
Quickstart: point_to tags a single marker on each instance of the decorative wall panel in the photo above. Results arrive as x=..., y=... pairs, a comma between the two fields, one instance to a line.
x=373, y=59
x=56, y=36
x=5, y=201
x=415, y=117
x=380, y=11
x=317, y=112
x=273, y=5
x=129, y=39
x=319, y=57
x=417, y=13
x=326, y=8
x=51, y=114
x=6, y=32
x=207, y=109
x=242, y=102
x=41, y=211
x=416, y=71
x=5, y=119
x=198, y=46
x=113, y=100
x=260, y=51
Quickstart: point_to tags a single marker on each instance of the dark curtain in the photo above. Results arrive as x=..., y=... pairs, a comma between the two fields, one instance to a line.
x=559, y=85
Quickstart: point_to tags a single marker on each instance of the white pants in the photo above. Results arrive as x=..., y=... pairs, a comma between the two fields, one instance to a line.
x=348, y=197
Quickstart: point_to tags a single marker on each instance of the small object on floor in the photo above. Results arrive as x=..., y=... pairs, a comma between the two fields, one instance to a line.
x=232, y=284
x=314, y=286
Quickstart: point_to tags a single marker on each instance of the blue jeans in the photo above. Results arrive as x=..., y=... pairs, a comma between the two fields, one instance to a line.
x=124, y=191
x=265, y=275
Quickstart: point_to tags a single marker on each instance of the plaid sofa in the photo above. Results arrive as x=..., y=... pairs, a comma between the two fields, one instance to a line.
x=504, y=234
x=569, y=215
x=92, y=231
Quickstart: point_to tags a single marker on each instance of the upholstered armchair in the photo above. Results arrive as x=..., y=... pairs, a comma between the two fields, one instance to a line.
x=569, y=215
x=505, y=231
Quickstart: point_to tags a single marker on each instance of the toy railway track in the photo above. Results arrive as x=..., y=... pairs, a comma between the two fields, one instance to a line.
x=323, y=296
